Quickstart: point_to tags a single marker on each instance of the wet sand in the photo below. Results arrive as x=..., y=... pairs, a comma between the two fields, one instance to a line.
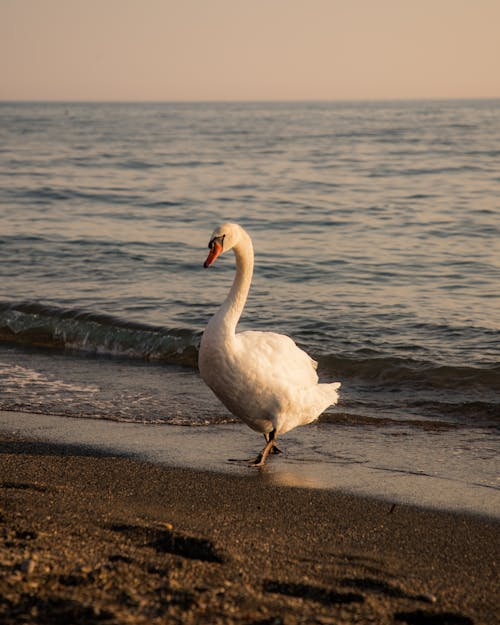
x=95, y=538
x=415, y=466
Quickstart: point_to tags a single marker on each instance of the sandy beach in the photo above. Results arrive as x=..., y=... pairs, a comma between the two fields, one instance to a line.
x=89, y=537
x=125, y=491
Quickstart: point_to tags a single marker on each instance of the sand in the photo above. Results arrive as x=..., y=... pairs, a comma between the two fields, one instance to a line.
x=93, y=538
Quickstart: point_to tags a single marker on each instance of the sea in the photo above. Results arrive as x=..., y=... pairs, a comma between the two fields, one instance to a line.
x=376, y=230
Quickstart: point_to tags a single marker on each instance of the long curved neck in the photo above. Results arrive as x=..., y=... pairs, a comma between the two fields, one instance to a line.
x=228, y=315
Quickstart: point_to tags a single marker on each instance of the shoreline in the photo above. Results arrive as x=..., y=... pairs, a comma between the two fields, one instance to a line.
x=91, y=537
x=365, y=462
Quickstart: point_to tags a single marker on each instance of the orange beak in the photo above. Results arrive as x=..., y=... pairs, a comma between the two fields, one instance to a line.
x=215, y=250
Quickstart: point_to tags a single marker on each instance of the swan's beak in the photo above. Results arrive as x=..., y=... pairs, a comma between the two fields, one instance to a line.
x=215, y=250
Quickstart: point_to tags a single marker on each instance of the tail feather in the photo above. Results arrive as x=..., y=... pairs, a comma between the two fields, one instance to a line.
x=329, y=392
x=334, y=387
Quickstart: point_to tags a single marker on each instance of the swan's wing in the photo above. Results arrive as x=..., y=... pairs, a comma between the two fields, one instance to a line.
x=276, y=356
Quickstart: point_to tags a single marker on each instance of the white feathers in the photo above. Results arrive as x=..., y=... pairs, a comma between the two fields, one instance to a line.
x=261, y=377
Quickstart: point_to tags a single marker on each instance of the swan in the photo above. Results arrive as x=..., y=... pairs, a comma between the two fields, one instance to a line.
x=263, y=378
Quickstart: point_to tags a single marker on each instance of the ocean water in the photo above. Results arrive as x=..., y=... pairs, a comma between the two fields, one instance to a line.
x=376, y=229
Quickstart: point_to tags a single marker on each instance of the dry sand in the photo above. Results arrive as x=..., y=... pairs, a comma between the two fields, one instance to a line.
x=89, y=538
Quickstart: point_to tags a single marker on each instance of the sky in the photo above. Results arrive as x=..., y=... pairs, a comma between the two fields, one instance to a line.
x=171, y=50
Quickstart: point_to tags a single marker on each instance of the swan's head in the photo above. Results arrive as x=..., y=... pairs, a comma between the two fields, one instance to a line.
x=223, y=238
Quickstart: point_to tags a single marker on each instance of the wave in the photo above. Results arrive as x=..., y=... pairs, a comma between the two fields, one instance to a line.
x=393, y=370
x=37, y=325
x=44, y=195
x=355, y=420
x=33, y=324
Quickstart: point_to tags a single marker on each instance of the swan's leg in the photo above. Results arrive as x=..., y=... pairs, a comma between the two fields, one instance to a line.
x=274, y=449
x=261, y=458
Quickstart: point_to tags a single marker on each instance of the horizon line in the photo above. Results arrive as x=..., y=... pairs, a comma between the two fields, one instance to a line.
x=245, y=101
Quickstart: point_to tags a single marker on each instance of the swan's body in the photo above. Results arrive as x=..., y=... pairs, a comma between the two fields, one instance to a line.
x=261, y=377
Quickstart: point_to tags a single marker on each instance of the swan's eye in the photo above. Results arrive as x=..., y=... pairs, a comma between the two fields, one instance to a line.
x=219, y=240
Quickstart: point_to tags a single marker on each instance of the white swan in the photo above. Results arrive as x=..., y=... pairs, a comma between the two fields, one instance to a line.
x=261, y=377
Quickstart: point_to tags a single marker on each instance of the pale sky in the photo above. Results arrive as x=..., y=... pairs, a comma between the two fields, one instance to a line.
x=249, y=49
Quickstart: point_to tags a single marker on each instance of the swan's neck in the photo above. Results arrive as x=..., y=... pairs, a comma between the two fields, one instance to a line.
x=228, y=315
